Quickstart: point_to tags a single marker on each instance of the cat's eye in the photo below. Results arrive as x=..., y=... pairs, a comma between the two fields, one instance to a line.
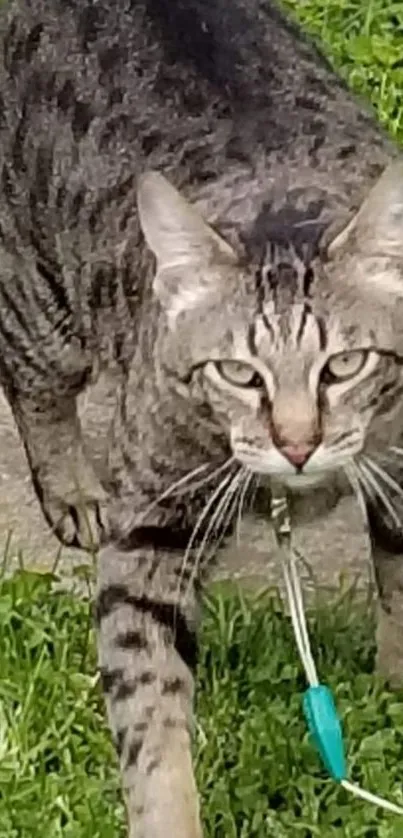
x=344, y=365
x=239, y=374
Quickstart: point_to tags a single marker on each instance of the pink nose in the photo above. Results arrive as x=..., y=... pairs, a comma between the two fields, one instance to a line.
x=298, y=454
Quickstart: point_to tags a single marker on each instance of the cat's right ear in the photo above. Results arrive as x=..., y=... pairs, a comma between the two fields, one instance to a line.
x=184, y=245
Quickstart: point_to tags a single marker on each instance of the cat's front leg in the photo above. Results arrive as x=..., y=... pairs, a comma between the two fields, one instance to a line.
x=387, y=557
x=389, y=630
x=70, y=494
x=147, y=650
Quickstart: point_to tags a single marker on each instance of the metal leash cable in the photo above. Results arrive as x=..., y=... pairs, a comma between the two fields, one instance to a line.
x=318, y=703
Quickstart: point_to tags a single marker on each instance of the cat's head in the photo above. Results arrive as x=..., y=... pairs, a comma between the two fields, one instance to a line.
x=299, y=359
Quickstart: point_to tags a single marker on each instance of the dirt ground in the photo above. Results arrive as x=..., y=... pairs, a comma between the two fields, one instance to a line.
x=332, y=544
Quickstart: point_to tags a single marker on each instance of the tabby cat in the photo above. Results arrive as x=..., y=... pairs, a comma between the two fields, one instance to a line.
x=251, y=319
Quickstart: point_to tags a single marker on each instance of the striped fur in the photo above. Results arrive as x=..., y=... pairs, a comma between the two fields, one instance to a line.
x=221, y=309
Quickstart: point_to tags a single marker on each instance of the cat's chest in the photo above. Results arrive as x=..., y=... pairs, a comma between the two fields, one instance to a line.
x=332, y=546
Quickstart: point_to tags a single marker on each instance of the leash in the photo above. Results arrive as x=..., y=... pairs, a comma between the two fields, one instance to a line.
x=318, y=703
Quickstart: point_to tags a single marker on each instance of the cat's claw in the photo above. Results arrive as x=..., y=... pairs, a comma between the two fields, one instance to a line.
x=77, y=521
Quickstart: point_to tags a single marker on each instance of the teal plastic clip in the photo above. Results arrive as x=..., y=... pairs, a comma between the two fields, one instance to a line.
x=325, y=729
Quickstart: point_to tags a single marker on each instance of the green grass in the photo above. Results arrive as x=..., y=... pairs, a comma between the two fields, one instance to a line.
x=257, y=772
x=364, y=41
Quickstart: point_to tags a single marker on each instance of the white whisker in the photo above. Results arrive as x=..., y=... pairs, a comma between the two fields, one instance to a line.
x=353, y=477
x=219, y=513
x=209, y=477
x=340, y=449
x=369, y=491
x=184, y=481
x=390, y=481
x=205, y=511
x=396, y=450
x=236, y=503
x=222, y=521
x=244, y=490
x=258, y=483
x=378, y=491
x=227, y=516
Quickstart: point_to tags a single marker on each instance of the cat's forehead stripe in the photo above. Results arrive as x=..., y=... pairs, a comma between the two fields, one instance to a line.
x=251, y=339
x=294, y=328
x=283, y=276
x=306, y=311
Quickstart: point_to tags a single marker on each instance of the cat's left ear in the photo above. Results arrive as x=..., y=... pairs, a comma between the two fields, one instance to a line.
x=184, y=245
x=374, y=236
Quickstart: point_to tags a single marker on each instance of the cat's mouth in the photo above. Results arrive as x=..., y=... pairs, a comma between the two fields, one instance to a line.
x=300, y=482
x=272, y=464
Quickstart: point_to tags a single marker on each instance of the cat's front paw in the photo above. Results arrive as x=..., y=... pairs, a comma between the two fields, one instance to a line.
x=75, y=509
x=77, y=521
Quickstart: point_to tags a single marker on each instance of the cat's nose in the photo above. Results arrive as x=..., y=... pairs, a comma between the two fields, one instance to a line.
x=298, y=454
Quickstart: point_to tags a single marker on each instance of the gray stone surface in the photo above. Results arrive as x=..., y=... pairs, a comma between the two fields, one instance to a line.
x=332, y=544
